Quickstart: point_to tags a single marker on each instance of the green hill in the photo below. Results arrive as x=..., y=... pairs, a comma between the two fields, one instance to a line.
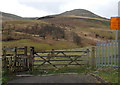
x=80, y=12
x=8, y=16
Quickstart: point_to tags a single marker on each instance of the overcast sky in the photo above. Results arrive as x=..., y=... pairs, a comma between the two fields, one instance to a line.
x=38, y=8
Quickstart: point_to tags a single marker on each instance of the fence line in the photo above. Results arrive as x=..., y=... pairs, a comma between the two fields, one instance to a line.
x=107, y=53
x=20, y=59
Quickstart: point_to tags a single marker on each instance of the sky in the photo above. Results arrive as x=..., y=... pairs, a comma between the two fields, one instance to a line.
x=39, y=8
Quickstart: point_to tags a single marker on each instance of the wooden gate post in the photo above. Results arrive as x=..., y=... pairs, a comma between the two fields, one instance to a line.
x=25, y=50
x=93, y=57
x=88, y=59
x=31, y=63
x=4, y=59
x=15, y=58
x=26, y=58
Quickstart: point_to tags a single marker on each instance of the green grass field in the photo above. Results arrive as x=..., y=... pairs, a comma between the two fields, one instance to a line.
x=40, y=45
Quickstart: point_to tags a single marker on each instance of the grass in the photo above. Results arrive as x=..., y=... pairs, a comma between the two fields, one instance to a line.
x=104, y=32
x=77, y=69
x=6, y=76
x=43, y=45
x=25, y=22
x=109, y=74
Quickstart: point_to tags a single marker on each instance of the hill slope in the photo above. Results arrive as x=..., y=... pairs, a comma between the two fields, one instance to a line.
x=80, y=12
x=89, y=26
x=81, y=28
x=8, y=16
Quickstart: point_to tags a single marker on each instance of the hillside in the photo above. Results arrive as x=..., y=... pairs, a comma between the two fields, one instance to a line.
x=72, y=13
x=8, y=16
x=80, y=12
x=80, y=31
x=89, y=29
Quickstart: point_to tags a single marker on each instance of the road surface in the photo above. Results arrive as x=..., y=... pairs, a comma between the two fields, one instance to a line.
x=56, y=78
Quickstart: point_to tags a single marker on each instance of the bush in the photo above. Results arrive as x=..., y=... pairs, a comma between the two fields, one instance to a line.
x=76, y=38
x=54, y=31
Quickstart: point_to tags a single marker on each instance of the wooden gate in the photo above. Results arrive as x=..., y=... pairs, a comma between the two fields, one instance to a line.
x=15, y=59
x=107, y=54
x=56, y=59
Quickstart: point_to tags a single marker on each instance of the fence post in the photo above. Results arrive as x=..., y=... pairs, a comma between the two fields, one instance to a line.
x=93, y=57
x=4, y=59
x=87, y=57
x=31, y=63
x=26, y=58
x=25, y=50
x=15, y=58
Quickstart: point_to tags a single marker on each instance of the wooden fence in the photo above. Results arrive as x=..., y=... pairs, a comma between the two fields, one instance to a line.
x=107, y=54
x=16, y=59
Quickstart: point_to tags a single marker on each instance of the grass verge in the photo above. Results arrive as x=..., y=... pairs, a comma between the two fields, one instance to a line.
x=108, y=74
x=78, y=70
x=6, y=76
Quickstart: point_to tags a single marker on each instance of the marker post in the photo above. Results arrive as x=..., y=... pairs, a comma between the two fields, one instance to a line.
x=118, y=36
x=115, y=24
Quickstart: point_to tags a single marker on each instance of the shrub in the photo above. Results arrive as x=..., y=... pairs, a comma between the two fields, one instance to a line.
x=76, y=39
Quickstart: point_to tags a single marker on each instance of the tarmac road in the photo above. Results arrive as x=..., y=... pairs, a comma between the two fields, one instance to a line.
x=56, y=78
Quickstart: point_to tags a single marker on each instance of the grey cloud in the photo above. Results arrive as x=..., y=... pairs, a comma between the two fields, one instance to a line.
x=50, y=7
